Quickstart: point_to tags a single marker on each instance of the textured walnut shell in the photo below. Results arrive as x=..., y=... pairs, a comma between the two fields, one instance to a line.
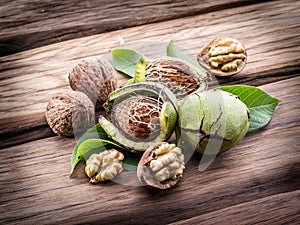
x=142, y=114
x=95, y=77
x=144, y=174
x=180, y=77
x=138, y=116
x=204, y=57
x=69, y=113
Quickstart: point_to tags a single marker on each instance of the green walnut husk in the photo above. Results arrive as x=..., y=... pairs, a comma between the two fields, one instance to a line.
x=142, y=114
x=212, y=122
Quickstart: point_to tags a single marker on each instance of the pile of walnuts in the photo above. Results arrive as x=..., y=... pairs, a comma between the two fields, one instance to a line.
x=93, y=79
x=73, y=112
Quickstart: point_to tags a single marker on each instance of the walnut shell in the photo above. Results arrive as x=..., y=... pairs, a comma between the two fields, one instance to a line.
x=138, y=116
x=69, y=113
x=142, y=114
x=181, y=78
x=95, y=77
x=161, y=166
x=223, y=56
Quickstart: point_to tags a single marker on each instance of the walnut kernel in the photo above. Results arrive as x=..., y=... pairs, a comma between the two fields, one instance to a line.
x=161, y=166
x=223, y=56
x=104, y=166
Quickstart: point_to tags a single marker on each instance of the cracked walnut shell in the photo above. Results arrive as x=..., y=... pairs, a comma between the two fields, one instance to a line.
x=161, y=166
x=95, y=77
x=223, y=56
x=70, y=113
x=104, y=166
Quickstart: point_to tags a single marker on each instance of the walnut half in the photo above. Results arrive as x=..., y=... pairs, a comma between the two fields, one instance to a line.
x=161, y=166
x=223, y=56
x=104, y=166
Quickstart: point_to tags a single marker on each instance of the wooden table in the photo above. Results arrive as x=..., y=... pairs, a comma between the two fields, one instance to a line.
x=256, y=182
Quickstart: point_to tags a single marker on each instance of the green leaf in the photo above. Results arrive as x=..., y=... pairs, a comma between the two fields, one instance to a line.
x=131, y=160
x=96, y=132
x=94, y=141
x=95, y=146
x=91, y=146
x=260, y=104
x=174, y=52
x=125, y=60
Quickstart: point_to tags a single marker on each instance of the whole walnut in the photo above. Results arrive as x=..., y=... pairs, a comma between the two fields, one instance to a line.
x=70, y=113
x=181, y=77
x=95, y=77
x=212, y=122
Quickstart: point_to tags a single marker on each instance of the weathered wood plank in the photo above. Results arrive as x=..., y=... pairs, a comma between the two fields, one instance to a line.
x=260, y=171
x=30, y=24
x=285, y=206
x=28, y=79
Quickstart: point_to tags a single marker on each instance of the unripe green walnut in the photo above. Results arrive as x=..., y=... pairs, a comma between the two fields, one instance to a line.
x=212, y=121
x=142, y=114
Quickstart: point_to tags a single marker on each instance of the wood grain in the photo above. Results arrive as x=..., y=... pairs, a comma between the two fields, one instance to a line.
x=30, y=78
x=30, y=24
x=258, y=177
x=256, y=182
x=261, y=211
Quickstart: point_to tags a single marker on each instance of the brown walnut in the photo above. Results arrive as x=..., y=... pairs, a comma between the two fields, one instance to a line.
x=138, y=116
x=180, y=77
x=70, y=112
x=142, y=114
x=95, y=77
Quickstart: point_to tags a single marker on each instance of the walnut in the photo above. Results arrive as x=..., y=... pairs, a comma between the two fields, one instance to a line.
x=138, y=117
x=142, y=114
x=69, y=113
x=212, y=122
x=161, y=166
x=104, y=166
x=181, y=78
x=223, y=56
x=95, y=77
